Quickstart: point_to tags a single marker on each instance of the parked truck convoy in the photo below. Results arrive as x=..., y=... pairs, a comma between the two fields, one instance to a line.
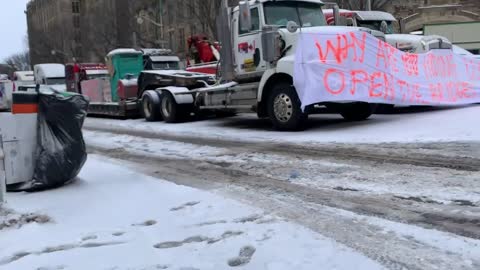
x=384, y=21
x=255, y=76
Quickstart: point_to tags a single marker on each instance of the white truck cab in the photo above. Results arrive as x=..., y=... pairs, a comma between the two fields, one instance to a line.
x=418, y=44
x=258, y=40
x=50, y=74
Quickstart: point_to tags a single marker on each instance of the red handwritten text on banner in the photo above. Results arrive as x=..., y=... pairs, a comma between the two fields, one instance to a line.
x=350, y=65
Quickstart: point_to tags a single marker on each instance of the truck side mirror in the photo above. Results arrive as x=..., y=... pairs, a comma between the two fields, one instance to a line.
x=245, y=16
x=292, y=26
x=350, y=22
x=384, y=27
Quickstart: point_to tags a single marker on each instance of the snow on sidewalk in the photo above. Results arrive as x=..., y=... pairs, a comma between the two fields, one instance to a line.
x=114, y=218
x=455, y=124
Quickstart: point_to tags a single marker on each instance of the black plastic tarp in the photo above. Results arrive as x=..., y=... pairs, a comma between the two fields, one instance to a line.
x=61, y=151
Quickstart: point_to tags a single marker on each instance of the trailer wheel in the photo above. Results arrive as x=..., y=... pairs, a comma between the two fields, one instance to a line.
x=171, y=111
x=355, y=111
x=284, y=108
x=151, y=106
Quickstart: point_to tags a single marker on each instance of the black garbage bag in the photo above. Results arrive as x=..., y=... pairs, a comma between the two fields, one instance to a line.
x=61, y=150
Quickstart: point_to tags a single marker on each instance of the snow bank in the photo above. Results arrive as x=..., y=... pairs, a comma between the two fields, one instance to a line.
x=456, y=124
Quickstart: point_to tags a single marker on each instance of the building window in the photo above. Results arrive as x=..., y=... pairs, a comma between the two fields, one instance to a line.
x=75, y=7
x=181, y=39
x=76, y=21
x=171, y=40
x=170, y=14
x=193, y=29
x=77, y=38
x=191, y=8
x=179, y=10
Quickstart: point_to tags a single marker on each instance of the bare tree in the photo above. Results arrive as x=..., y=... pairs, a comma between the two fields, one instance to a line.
x=204, y=12
x=19, y=61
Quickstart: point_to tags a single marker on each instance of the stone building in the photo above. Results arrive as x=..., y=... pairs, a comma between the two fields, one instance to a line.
x=86, y=30
x=416, y=13
x=53, y=30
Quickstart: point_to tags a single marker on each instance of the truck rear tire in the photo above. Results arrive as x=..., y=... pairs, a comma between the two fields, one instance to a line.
x=355, y=111
x=171, y=111
x=284, y=108
x=151, y=106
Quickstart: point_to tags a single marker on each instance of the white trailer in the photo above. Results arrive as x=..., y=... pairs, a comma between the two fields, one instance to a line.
x=257, y=60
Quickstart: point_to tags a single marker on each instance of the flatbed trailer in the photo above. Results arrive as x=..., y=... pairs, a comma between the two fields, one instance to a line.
x=122, y=109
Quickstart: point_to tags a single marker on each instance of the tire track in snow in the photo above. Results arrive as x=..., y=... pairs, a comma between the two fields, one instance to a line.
x=339, y=151
x=307, y=206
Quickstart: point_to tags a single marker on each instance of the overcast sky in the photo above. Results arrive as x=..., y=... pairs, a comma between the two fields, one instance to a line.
x=13, y=27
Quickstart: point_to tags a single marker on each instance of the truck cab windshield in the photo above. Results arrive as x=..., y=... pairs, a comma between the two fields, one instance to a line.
x=96, y=76
x=376, y=25
x=171, y=65
x=54, y=81
x=303, y=13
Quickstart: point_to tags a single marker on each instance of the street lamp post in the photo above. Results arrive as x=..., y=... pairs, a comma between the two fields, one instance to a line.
x=55, y=52
x=369, y=5
x=142, y=18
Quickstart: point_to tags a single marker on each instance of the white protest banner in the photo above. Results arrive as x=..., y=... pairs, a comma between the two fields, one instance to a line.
x=337, y=64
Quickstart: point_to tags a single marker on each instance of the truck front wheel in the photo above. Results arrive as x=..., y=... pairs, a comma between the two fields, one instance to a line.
x=284, y=108
x=171, y=111
x=151, y=106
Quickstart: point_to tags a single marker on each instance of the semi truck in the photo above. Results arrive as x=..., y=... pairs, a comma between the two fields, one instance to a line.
x=160, y=59
x=258, y=40
x=21, y=78
x=52, y=75
x=112, y=88
x=114, y=94
x=371, y=19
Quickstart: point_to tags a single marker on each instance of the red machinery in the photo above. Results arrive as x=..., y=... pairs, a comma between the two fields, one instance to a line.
x=205, y=55
x=343, y=13
x=77, y=72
